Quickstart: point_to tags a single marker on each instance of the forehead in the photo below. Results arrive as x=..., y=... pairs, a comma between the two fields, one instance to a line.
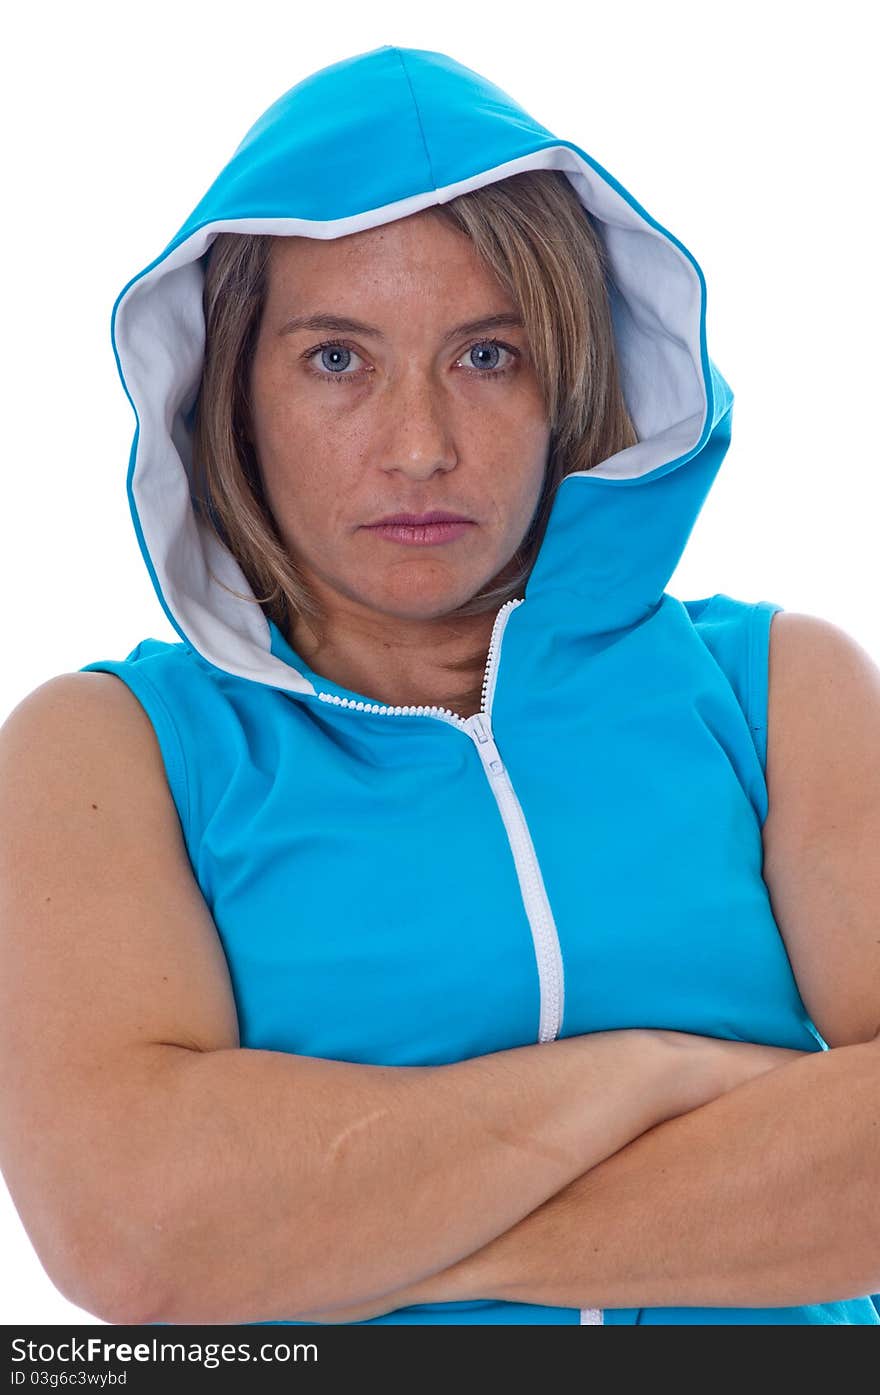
x=409, y=255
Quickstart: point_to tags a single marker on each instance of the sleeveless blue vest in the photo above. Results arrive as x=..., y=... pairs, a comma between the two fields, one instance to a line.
x=585, y=853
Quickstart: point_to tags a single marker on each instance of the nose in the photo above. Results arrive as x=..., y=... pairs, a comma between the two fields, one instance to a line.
x=419, y=437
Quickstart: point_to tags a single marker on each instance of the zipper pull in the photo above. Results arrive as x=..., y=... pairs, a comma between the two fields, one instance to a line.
x=481, y=731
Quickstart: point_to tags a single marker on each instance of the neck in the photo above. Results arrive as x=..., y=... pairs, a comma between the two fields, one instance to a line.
x=423, y=663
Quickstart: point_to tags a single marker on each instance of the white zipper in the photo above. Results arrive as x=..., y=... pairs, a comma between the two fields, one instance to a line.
x=537, y=906
x=544, y=934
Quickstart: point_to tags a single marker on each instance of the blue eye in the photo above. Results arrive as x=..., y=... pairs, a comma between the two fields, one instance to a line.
x=491, y=346
x=336, y=358
x=494, y=347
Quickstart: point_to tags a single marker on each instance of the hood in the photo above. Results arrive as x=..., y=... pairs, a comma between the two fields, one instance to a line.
x=308, y=167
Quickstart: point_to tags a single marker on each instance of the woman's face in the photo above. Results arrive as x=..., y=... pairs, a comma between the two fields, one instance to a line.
x=408, y=413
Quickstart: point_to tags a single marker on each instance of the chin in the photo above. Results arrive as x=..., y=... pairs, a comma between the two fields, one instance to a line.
x=414, y=602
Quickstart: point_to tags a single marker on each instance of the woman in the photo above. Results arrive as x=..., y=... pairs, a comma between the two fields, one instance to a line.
x=398, y=938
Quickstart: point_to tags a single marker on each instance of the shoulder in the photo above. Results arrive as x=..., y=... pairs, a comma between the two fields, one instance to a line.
x=814, y=644
x=74, y=729
x=73, y=704
x=823, y=731
x=823, y=711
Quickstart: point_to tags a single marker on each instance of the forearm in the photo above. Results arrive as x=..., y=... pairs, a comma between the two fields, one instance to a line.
x=767, y=1196
x=262, y=1185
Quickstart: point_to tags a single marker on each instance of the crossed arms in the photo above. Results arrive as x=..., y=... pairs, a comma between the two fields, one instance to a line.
x=767, y=1196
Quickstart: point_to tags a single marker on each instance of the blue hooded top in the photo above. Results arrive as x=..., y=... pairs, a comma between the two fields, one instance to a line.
x=607, y=800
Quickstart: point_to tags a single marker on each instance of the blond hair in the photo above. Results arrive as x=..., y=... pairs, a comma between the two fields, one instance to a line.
x=535, y=235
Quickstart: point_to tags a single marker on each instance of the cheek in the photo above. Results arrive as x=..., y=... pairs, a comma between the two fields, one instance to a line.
x=286, y=438
x=534, y=450
x=296, y=418
x=309, y=478
x=519, y=427
x=281, y=422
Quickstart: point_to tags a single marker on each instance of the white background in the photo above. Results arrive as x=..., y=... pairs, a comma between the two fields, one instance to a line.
x=749, y=132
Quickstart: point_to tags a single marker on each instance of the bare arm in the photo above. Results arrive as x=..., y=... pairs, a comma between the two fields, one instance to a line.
x=765, y=1197
x=563, y=1254
x=280, y=1184
x=163, y=1172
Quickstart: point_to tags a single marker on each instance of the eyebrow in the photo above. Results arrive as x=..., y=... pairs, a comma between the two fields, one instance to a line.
x=343, y=324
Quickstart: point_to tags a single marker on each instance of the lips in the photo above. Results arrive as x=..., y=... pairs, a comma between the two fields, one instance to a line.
x=422, y=534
